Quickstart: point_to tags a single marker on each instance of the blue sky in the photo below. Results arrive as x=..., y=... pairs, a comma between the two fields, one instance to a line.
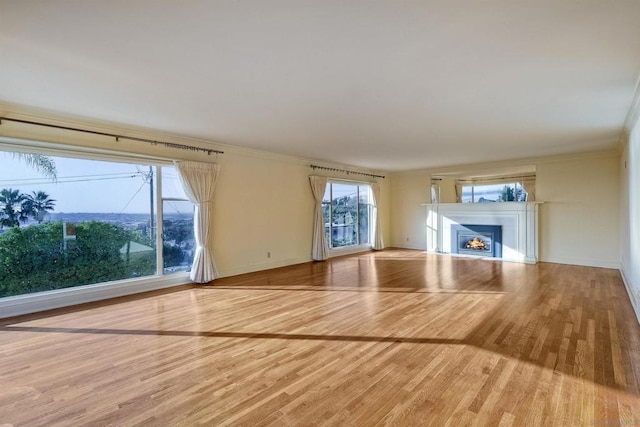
x=87, y=185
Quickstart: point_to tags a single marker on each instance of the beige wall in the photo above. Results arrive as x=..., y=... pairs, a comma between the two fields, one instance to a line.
x=579, y=221
x=263, y=202
x=261, y=205
x=409, y=191
x=265, y=205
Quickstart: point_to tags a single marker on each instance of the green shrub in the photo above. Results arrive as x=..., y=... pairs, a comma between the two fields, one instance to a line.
x=35, y=258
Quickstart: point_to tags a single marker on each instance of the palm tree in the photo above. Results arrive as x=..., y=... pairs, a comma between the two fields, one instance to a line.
x=11, y=202
x=43, y=164
x=37, y=205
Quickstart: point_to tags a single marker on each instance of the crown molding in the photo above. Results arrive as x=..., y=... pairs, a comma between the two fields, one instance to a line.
x=55, y=118
x=524, y=161
x=623, y=141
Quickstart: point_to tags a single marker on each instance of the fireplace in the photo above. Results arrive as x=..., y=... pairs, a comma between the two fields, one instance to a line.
x=518, y=222
x=478, y=240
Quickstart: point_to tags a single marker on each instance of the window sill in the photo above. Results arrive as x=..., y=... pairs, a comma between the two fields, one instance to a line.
x=41, y=301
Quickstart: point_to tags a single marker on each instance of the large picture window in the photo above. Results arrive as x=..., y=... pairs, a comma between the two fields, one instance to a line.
x=70, y=221
x=347, y=209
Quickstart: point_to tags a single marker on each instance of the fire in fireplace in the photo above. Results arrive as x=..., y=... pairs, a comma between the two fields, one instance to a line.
x=479, y=240
x=476, y=244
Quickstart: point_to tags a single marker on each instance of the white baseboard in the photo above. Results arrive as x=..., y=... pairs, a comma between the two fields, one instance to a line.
x=400, y=245
x=41, y=301
x=235, y=271
x=632, y=297
x=587, y=262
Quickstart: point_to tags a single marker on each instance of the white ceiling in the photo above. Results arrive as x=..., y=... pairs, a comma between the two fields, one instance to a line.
x=390, y=85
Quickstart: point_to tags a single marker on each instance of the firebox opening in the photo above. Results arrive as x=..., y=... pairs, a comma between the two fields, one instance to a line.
x=479, y=240
x=477, y=244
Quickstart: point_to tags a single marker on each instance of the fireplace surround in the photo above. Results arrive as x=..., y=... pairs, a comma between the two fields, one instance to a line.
x=518, y=222
x=477, y=240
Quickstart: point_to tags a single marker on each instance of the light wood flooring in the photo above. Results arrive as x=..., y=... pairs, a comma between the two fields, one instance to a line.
x=396, y=337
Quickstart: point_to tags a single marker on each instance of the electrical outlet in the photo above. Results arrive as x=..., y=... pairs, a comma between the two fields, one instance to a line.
x=407, y=239
x=268, y=254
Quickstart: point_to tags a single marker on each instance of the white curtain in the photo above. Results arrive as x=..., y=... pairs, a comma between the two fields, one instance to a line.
x=378, y=243
x=319, y=249
x=458, y=193
x=529, y=186
x=199, y=182
x=435, y=193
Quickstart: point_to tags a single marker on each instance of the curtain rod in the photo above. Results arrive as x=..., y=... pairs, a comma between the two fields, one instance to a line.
x=348, y=172
x=528, y=176
x=118, y=137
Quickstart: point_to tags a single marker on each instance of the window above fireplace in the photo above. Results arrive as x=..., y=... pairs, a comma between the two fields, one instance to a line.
x=488, y=193
x=515, y=184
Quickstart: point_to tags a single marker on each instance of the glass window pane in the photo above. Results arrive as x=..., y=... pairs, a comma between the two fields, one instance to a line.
x=327, y=194
x=178, y=244
x=94, y=223
x=521, y=194
x=344, y=215
x=171, y=186
x=488, y=193
x=467, y=194
x=326, y=216
x=365, y=196
x=364, y=211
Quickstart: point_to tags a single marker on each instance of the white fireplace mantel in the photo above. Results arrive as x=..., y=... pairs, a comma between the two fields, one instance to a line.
x=519, y=221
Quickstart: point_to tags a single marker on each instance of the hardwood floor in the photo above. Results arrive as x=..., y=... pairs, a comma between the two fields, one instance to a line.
x=393, y=338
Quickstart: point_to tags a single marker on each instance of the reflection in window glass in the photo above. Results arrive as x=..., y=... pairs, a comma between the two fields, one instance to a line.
x=178, y=241
x=364, y=211
x=327, y=194
x=171, y=186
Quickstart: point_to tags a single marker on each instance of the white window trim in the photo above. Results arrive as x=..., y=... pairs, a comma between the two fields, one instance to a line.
x=351, y=249
x=48, y=300
x=78, y=152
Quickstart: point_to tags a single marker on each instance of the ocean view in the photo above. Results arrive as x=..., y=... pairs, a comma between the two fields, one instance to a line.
x=124, y=219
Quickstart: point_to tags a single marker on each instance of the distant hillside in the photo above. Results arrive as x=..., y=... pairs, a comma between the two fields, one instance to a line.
x=115, y=218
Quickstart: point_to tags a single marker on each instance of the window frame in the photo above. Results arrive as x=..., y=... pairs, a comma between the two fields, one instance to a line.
x=359, y=245
x=38, y=301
